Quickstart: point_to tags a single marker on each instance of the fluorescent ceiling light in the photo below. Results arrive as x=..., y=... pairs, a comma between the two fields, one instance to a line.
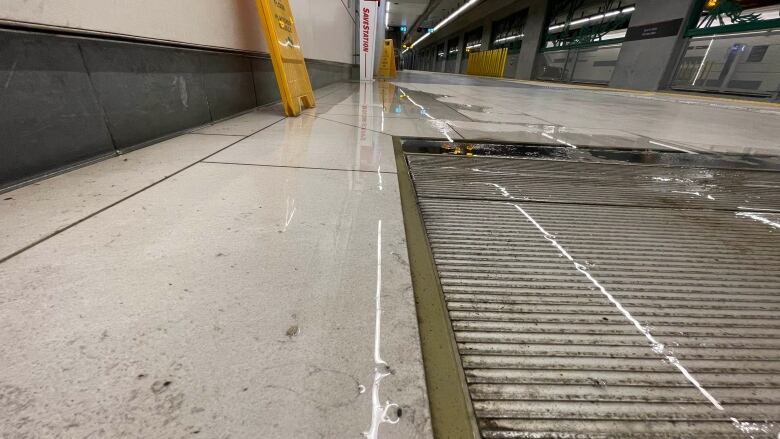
x=732, y=35
x=627, y=10
x=505, y=39
x=387, y=15
x=444, y=22
x=418, y=41
x=455, y=14
x=614, y=35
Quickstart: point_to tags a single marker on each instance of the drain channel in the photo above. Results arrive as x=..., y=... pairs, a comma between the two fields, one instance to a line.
x=608, y=298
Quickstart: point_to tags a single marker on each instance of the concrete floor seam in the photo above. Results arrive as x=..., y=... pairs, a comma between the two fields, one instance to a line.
x=299, y=167
x=213, y=134
x=93, y=214
x=346, y=124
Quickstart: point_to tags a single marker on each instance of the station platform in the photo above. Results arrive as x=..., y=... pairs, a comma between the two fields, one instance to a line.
x=251, y=278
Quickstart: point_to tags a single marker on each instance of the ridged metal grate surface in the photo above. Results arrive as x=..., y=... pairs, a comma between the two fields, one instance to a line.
x=607, y=300
x=599, y=183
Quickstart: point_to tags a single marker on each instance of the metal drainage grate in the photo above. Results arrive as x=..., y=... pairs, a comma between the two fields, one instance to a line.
x=593, y=300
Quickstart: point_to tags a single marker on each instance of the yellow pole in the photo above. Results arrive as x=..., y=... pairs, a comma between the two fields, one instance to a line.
x=504, y=53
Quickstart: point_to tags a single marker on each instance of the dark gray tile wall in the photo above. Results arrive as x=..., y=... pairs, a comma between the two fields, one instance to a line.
x=263, y=71
x=229, y=83
x=67, y=99
x=324, y=73
x=146, y=91
x=49, y=114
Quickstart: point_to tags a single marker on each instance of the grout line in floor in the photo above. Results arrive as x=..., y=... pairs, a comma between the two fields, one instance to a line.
x=297, y=167
x=225, y=135
x=239, y=138
x=375, y=131
x=123, y=199
x=357, y=115
x=347, y=124
x=449, y=124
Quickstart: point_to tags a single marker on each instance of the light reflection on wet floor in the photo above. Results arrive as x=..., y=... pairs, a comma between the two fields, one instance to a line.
x=476, y=114
x=311, y=189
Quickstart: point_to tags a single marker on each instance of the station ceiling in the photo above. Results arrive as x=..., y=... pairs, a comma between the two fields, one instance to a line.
x=421, y=13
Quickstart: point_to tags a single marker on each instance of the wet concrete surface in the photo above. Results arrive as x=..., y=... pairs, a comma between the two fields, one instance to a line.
x=593, y=116
x=235, y=294
x=260, y=292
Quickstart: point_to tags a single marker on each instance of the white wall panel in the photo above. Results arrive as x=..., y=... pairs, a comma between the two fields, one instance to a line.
x=326, y=27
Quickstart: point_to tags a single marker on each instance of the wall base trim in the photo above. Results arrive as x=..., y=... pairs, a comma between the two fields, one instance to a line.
x=70, y=99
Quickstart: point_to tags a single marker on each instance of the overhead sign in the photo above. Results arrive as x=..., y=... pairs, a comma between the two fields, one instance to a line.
x=404, y=29
x=654, y=30
x=286, y=55
x=368, y=23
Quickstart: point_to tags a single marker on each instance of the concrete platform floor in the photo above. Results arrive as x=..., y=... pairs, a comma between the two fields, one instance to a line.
x=250, y=278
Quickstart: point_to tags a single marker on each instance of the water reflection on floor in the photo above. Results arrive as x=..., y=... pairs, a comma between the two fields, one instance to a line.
x=419, y=104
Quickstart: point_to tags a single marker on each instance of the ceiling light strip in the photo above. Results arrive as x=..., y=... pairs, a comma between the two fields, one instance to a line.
x=444, y=22
x=505, y=39
x=626, y=10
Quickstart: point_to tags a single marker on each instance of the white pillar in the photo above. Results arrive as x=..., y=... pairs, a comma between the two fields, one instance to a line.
x=367, y=29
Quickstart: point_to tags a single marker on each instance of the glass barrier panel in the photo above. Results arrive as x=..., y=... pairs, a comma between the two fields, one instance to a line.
x=552, y=66
x=747, y=63
x=595, y=65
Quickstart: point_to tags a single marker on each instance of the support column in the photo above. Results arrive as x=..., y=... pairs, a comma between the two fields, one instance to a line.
x=461, y=49
x=487, y=32
x=446, y=43
x=653, y=43
x=532, y=41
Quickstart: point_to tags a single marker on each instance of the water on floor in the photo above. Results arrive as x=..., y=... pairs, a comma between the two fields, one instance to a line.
x=250, y=278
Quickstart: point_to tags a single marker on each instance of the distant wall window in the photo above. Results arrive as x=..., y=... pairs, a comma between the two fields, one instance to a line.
x=473, y=41
x=734, y=47
x=575, y=23
x=719, y=13
x=583, y=40
x=734, y=62
x=508, y=32
x=452, y=48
